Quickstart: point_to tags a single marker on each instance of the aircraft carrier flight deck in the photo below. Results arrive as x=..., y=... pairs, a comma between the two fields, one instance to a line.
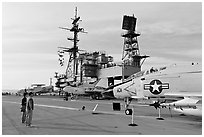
x=54, y=116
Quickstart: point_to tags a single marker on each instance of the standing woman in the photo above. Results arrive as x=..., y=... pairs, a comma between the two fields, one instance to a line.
x=23, y=106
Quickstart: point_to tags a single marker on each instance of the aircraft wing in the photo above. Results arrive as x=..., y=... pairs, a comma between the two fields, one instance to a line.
x=185, y=94
x=183, y=102
x=190, y=105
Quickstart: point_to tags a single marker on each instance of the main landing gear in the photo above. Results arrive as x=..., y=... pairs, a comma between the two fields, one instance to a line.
x=157, y=104
x=160, y=118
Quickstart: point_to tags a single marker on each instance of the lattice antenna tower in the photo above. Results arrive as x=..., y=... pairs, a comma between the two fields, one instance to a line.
x=131, y=53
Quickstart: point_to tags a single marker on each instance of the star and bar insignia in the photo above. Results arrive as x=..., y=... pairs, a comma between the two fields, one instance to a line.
x=156, y=86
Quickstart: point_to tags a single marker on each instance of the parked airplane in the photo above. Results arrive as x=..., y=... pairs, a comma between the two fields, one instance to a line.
x=37, y=89
x=88, y=89
x=85, y=89
x=183, y=83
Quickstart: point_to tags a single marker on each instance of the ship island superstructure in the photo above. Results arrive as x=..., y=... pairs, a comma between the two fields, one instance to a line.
x=97, y=66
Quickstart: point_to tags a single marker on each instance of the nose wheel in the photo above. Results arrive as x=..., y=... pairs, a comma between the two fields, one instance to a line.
x=131, y=112
x=128, y=111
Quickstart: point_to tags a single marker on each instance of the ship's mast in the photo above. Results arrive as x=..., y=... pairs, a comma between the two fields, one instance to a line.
x=74, y=50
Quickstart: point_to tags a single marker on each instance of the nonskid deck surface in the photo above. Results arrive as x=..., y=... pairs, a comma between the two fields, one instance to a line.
x=54, y=116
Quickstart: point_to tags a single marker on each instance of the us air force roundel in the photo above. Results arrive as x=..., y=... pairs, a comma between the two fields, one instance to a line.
x=156, y=86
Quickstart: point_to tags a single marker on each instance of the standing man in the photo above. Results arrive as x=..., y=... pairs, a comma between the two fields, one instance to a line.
x=30, y=108
x=23, y=106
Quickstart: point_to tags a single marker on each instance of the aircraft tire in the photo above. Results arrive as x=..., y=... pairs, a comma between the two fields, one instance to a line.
x=128, y=111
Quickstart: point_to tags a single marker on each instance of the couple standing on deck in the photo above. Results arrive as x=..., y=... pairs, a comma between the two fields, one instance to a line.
x=27, y=108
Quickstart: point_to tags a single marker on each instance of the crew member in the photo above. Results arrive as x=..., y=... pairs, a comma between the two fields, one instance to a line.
x=30, y=108
x=23, y=106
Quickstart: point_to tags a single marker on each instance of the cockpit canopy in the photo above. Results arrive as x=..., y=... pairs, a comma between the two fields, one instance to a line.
x=145, y=72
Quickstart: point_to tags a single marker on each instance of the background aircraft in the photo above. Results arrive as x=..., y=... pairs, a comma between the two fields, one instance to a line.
x=37, y=89
x=87, y=89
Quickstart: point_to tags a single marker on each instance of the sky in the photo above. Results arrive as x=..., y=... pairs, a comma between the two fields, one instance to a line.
x=171, y=32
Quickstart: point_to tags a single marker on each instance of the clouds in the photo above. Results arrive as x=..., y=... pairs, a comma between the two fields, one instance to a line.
x=20, y=70
x=170, y=32
x=174, y=28
x=29, y=61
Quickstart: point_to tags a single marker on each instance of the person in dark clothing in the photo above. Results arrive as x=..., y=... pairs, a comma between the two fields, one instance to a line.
x=23, y=106
x=66, y=96
x=30, y=108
